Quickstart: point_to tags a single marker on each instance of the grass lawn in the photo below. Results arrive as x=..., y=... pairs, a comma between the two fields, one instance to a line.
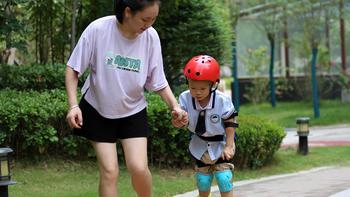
x=285, y=113
x=61, y=178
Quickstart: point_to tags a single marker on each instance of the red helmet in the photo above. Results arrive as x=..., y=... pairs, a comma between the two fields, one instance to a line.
x=204, y=68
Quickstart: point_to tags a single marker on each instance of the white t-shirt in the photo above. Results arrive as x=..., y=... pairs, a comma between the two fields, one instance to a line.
x=219, y=108
x=120, y=68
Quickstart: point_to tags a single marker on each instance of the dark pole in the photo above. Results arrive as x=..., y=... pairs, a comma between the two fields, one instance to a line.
x=286, y=46
x=314, y=82
x=303, y=145
x=272, y=78
x=4, y=191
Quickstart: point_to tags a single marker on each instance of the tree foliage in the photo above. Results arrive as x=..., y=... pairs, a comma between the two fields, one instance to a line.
x=186, y=28
x=192, y=27
x=12, y=24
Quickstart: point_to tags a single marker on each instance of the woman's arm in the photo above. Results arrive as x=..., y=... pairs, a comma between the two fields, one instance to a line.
x=74, y=116
x=179, y=116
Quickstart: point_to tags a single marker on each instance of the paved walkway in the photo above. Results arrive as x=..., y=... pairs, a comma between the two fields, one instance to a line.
x=320, y=182
x=337, y=135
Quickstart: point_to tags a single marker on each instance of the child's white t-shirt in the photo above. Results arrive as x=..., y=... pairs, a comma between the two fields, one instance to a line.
x=120, y=68
x=219, y=108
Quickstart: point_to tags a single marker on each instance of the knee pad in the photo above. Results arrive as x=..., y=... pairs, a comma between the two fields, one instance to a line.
x=204, y=181
x=223, y=178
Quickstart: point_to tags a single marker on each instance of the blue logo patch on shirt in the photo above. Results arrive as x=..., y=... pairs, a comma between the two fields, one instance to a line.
x=214, y=118
x=121, y=62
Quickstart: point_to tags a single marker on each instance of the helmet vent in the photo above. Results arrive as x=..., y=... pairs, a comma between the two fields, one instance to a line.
x=189, y=71
x=198, y=73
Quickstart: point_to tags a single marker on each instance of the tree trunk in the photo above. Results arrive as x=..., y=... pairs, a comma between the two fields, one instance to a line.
x=74, y=28
x=63, y=58
x=8, y=13
x=328, y=42
x=52, y=48
x=342, y=35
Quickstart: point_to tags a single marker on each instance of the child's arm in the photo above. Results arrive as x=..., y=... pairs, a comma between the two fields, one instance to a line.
x=229, y=149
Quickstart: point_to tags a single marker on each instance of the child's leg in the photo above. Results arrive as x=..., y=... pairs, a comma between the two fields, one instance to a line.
x=204, y=179
x=227, y=194
x=224, y=176
x=203, y=194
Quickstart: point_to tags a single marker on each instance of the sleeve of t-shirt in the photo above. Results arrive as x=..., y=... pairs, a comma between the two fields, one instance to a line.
x=182, y=101
x=80, y=58
x=228, y=107
x=155, y=77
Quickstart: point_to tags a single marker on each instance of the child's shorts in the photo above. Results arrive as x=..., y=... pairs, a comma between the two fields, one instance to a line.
x=100, y=129
x=206, y=165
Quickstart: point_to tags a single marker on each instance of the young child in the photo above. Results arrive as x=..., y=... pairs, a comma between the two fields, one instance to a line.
x=212, y=123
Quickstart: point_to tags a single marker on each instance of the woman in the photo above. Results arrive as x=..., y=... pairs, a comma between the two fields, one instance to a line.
x=123, y=53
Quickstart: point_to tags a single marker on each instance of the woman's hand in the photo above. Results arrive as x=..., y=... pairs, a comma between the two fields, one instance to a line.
x=74, y=117
x=179, y=117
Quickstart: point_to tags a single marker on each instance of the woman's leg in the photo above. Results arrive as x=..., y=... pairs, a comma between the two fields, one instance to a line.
x=135, y=152
x=108, y=166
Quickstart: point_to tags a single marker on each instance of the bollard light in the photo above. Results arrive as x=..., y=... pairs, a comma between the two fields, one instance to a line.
x=5, y=171
x=303, y=132
x=303, y=126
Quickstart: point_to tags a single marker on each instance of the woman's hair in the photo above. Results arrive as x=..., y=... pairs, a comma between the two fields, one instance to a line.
x=134, y=5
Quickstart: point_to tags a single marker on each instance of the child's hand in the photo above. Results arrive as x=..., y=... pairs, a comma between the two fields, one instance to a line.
x=179, y=117
x=228, y=153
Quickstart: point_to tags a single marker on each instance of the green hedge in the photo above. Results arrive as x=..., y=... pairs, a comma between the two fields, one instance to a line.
x=33, y=123
x=29, y=120
x=168, y=145
x=258, y=140
x=34, y=77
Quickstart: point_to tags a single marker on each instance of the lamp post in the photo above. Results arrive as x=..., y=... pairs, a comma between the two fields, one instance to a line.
x=5, y=171
x=303, y=132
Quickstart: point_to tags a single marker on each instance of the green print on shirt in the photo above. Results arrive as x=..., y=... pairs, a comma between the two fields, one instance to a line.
x=125, y=63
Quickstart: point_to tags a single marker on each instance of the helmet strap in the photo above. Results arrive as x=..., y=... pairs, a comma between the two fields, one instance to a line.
x=214, y=86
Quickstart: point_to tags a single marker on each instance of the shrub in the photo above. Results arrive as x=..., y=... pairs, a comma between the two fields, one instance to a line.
x=168, y=145
x=34, y=77
x=257, y=141
x=28, y=118
x=34, y=123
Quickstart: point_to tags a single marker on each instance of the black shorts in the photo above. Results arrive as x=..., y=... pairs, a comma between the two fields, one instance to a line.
x=101, y=129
